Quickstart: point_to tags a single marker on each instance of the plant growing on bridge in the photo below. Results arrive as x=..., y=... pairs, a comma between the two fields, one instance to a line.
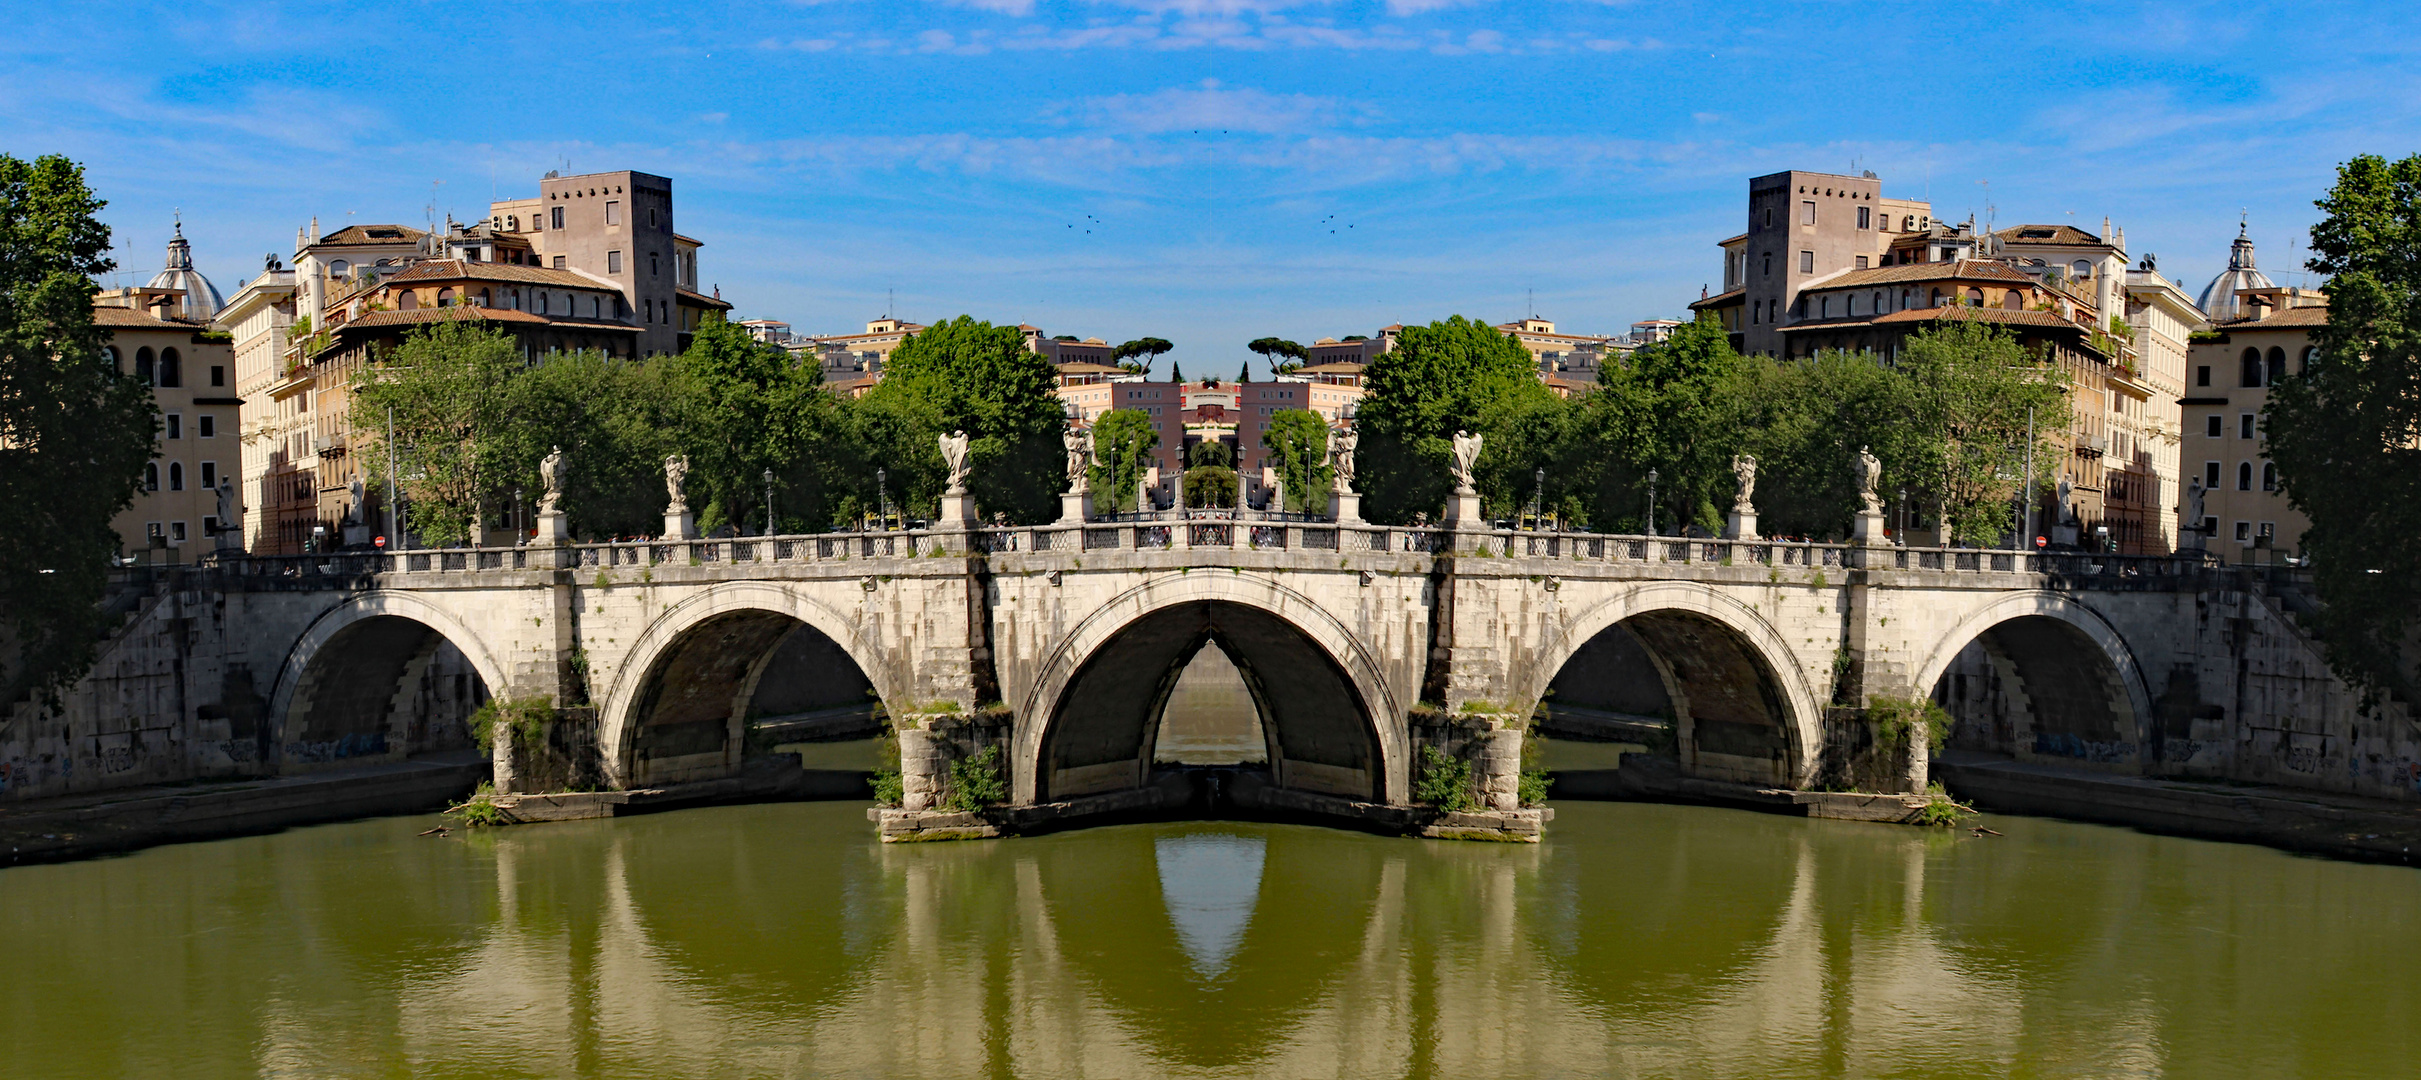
x=481, y=809
x=2343, y=430
x=1444, y=781
x=1897, y=722
x=977, y=781
x=75, y=429
x=523, y=719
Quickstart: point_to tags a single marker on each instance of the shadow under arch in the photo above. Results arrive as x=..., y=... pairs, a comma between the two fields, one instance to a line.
x=1319, y=650
x=1100, y=734
x=2039, y=674
x=381, y=676
x=1740, y=709
x=679, y=706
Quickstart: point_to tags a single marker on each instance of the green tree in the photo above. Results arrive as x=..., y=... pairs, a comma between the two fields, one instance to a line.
x=1284, y=356
x=1244, y=374
x=450, y=388
x=616, y=421
x=1459, y=374
x=1123, y=441
x=1970, y=387
x=1297, y=439
x=1176, y=372
x=1669, y=408
x=1210, y=486
x=1211, y=452
x=1805, y=421
x=746, y=408
x=2346, y=432
x=965, y=375
x=74, y=430
x=1147, y=348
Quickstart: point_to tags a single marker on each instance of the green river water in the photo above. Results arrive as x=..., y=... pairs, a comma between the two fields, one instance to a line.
x=782, y=940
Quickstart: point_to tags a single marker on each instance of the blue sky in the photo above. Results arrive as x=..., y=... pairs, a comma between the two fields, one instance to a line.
x=1210, y=171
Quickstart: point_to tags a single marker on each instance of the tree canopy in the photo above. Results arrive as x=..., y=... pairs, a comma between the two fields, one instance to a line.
x=1458, y=374
x=1123, y=441
x=971, y=376
x=2346, y=432
x=74, y=430
x=1297, y=441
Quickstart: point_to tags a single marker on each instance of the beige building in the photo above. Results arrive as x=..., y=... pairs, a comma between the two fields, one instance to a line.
x=2246, y=516
x=1803, y=229
x=280, y=489
x=853, y=363
x=176, y=510
x=617, y=227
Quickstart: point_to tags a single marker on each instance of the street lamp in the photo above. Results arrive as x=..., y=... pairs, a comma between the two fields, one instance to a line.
x=769, y=502
x=1903, y=516
x=1538, y=498
x=883, y=496
x=1651, y=502
x=521, y=528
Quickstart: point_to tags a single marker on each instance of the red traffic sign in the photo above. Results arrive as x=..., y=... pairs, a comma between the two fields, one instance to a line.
x=2039, y=541
x=381, y=541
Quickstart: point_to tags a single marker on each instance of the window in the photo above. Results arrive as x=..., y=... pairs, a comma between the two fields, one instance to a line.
x=151, y=531
x=172, y=370
x=1975, y=298
x=1807, y=262
x=2210, y=476
x=1769, y=272
x=2310, y=353
x=151, y=476
x=2202, y=375
x=1807, y=212
x=613, y=213
x=2276, y=368
x=176, y=476
x=176, y=425
x=556, y=218
x=613, y=262
x=209, y=425
x=2248, y=370
x=445, y=297
x=210, y=476
x=339, y=268
x=1865, y=217
x=1880, y=299
x=2244, y=532
x=1824, y=304
x=651, y=217
x=1769, y=217
x=218, y=375
x=143, y=369
x=1756, y=313
x=176, y=532
x=558, y=264
x=1861, y=258
x=210, y=524
x=2267, y=531
x=2244, y=476
x=2214, y=427
x=2269, y=476
x=2244, y=426
x=652, y=269
x=2081, y=269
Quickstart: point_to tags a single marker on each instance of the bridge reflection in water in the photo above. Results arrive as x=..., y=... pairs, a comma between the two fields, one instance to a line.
x=782, y=941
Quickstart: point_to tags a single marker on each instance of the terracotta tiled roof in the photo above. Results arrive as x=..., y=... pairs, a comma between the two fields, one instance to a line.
x=1079, y=367
x=420, y=316
x=2056, y=235
x=687, y=240
x=1730, y=240
x=2294, y=318
x=1958, y=270
x=1720, y=299
x=467, y=270
x=2003, y=316
x=369, y=235
x=118, y=318
x=1341, y=367
x=699, y=299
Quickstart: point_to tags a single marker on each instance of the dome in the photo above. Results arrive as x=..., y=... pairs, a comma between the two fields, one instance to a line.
x=202, y=299
x=2218, y=299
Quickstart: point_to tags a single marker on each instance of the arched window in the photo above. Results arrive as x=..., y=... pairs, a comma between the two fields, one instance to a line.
x=1975, y=298
x=115, y=359
x=2310, y=354
x=1936, y=300
x=1880, y=299
x=2013, y=300
x=445, y=297
x=143, y=369
x=483, y=298
x=2269, y=476
x=2244, y=476
x=542, y=302
x=2248, y=371
x=2277, y=367
x=151, y=476
x=172, y=370
x=176, y=476
x=339, y=268
x=2081, y=269
x=407, y=300
x=1825, y=304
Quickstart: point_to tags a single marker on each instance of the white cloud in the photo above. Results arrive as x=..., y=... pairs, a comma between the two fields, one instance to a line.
x=1211, y=107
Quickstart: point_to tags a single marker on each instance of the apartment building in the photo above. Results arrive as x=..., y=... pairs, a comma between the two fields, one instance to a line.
x=160, y=334
x=617, y=226
x=2265, y=338
x=279, y=478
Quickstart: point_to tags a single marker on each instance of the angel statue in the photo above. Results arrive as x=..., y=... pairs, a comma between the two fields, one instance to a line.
x=954, y=454
x=1079, y=443
x=676, y=478
x=1341, y=441
x=1744, y=468
x=1870, y=473
x=1466, y=454
x=551, y=470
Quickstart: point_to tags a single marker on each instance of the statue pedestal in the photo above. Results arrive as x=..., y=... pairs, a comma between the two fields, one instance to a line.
x=957, y=512
x=1075, y=508
x=1463, y=511
x=1742, y=525
x=552, y=530
x=1345, y=507
x=1868, y=531
x=681, y=526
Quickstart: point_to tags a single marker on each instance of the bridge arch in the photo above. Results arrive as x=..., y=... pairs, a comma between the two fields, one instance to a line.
x=345, y=681
x=716, y=647
x=1720, y=662
x=2079, y=685
x=1334, y=721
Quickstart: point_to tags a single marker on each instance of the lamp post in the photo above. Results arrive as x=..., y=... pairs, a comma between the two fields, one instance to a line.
x=769, y=502
x=1651, y=502
x=1538, y=497
x=1903, y=534
x=521, y=528
x=882, y=496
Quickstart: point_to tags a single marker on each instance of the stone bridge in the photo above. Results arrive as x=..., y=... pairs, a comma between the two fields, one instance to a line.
x=1059, y=645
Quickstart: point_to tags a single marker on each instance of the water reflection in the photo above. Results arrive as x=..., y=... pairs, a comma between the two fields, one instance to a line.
x=1638, y=941
x=1209, y=882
